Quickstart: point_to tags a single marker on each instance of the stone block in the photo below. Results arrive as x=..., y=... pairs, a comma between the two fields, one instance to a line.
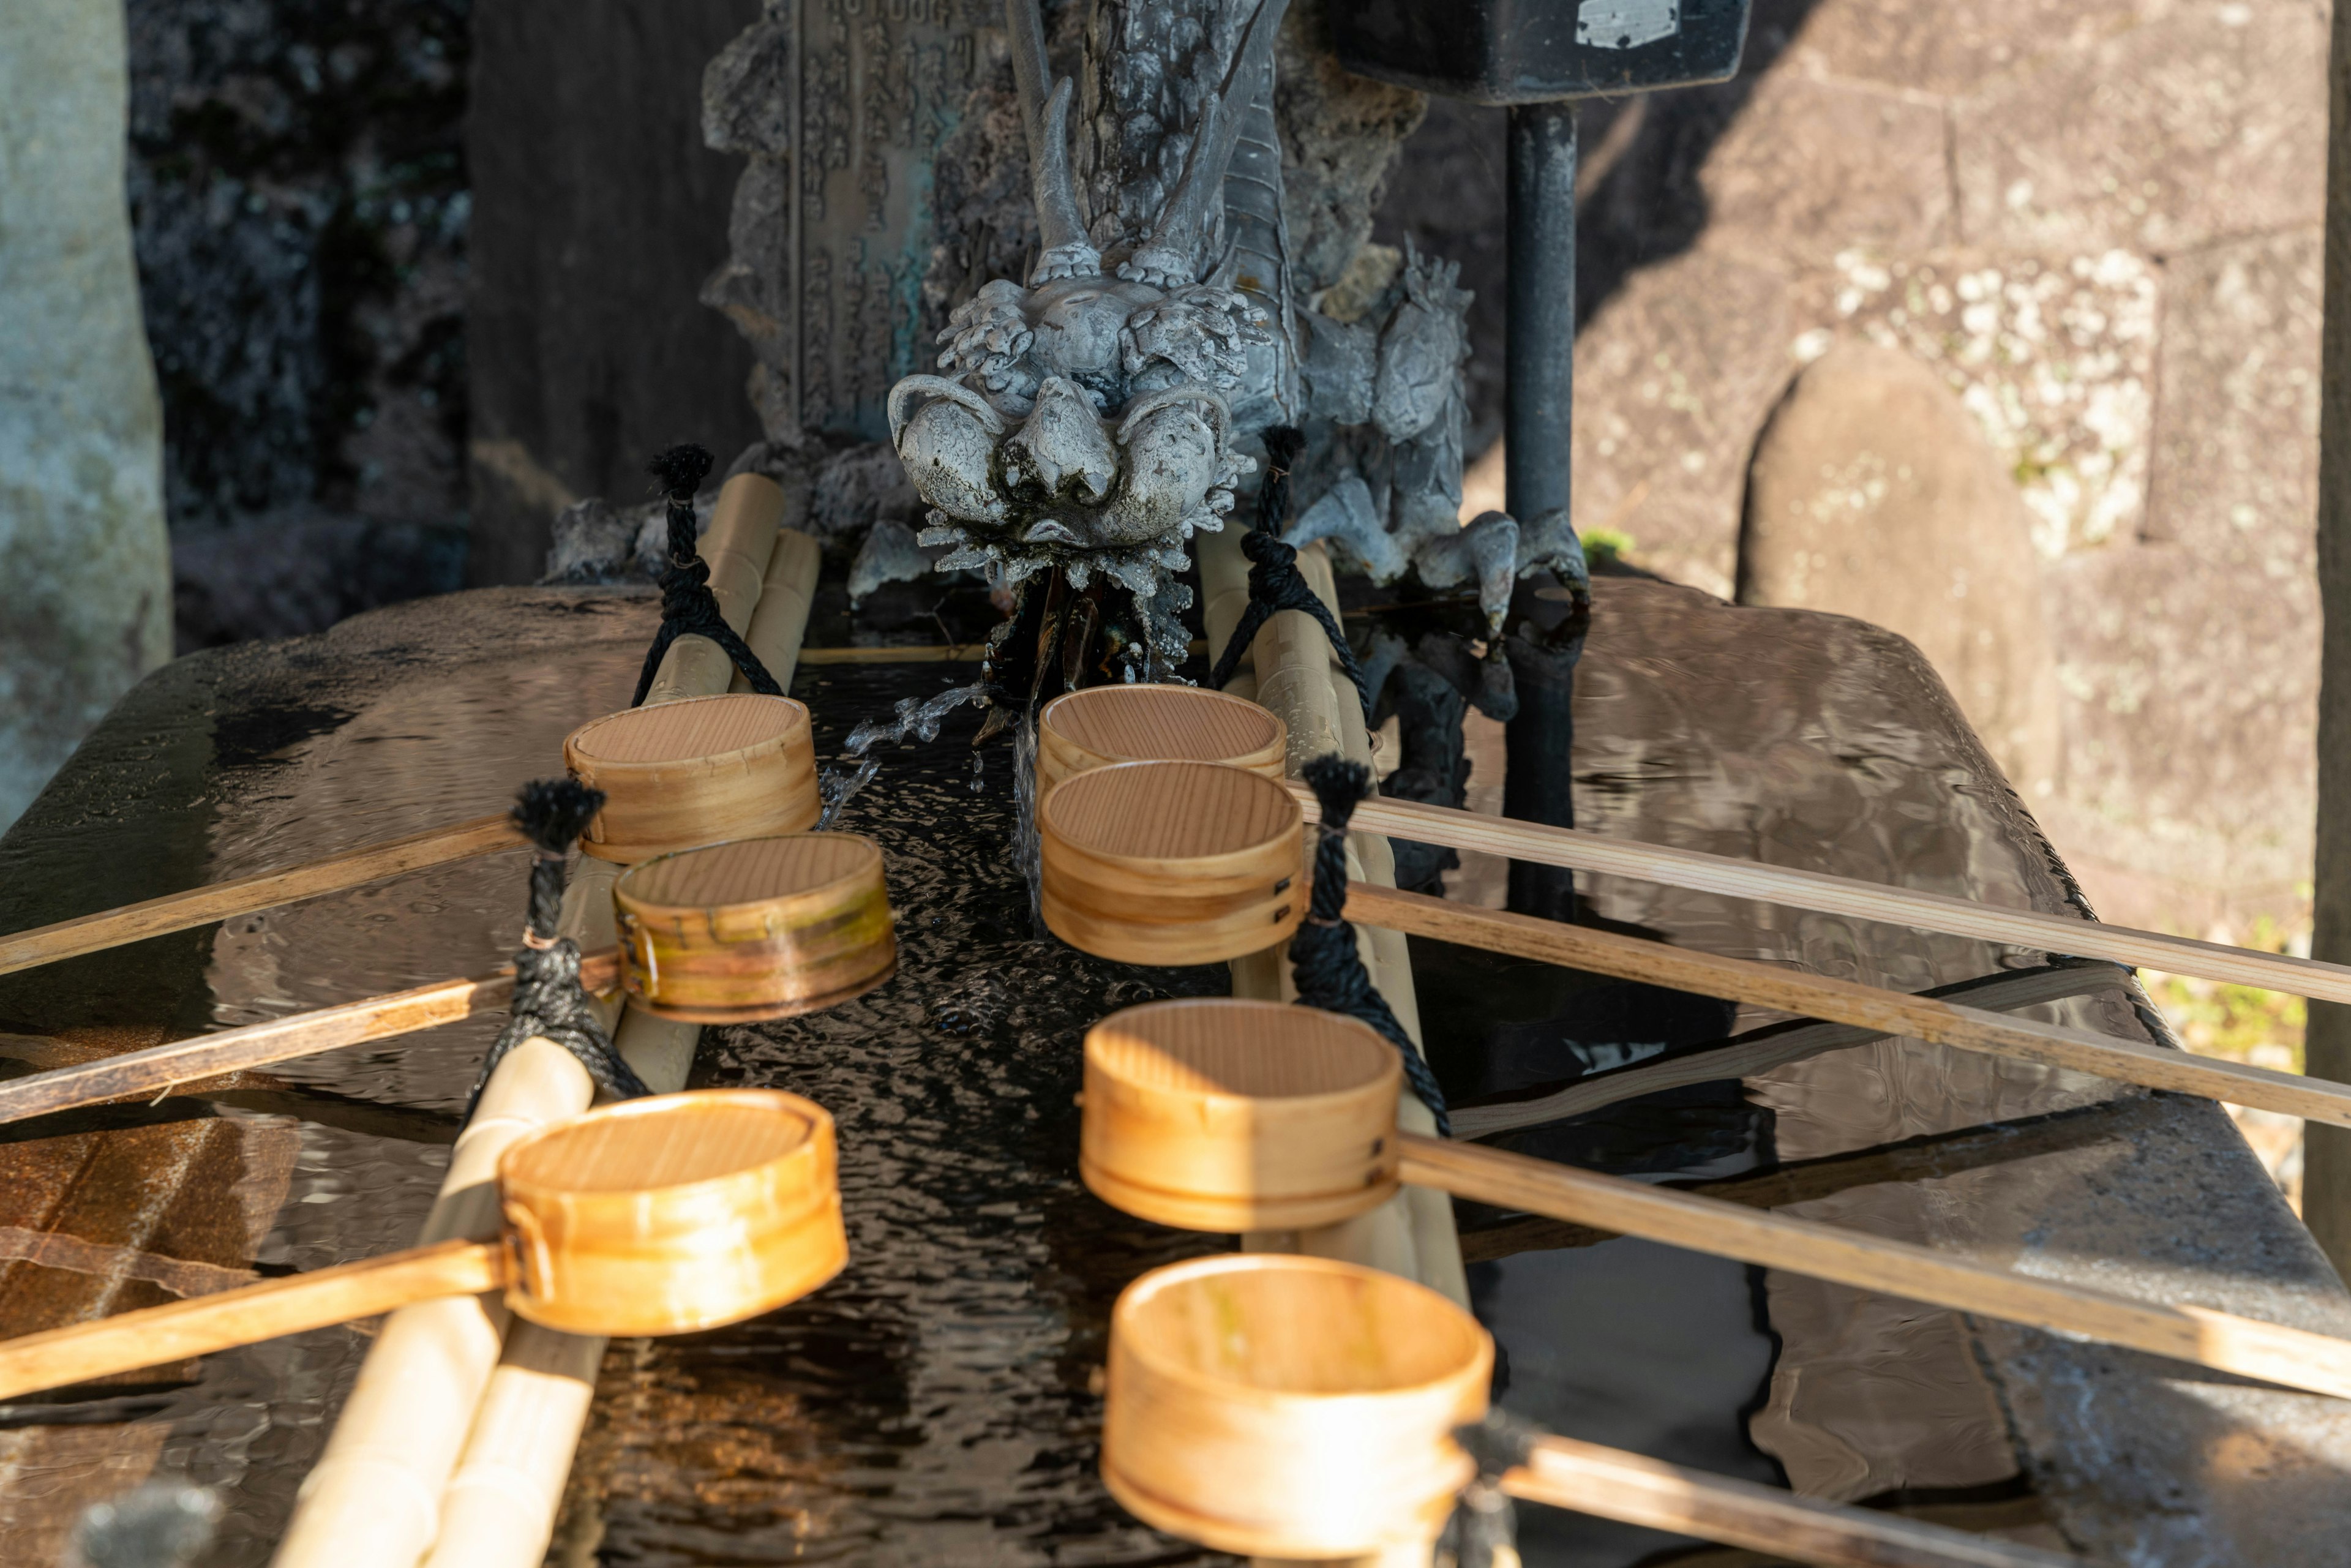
x=2183, y=129
x=2189, y=700
x=2236, y=427
x=1873, y=495
x=1673, y=374
x=82, y=545
x=1950, y=48
x=1814, y=167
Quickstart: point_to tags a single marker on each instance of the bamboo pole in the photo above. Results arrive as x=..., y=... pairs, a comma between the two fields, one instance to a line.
x=160, y=1068
x=1846, y=1002
x=1759, y=1050
x=499, y=1506
x=739, y=544
x=2295, y=1358
x=244, y=895
x=375, y=1497
x=1295, y=676
x=1633, y=1489
x=1703, y=873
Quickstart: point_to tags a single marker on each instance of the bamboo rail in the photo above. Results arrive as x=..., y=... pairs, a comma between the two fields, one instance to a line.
x=1703, y=873
x=244, y=895
x=499, y=1506
x=2295, y=1358
x=1846, y=1002
x=160, y=1068
x=1631, y=1489
x=1295, y=676
x=376, y=1498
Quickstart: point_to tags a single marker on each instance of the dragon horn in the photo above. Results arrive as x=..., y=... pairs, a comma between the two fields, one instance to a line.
x=1171, y=254
x=1061, y=228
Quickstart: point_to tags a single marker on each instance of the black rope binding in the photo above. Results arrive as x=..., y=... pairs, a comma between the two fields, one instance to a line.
x=1323, y=963
x=1484, y=1529
x=547, y=999
x=1273, y=581
x=687, y=604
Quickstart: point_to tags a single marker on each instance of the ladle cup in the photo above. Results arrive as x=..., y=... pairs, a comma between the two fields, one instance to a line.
x=1295, y=1408
x=1217, y=1113
x=658, y=1215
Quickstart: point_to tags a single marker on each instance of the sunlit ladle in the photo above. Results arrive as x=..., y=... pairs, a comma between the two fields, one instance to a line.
x=1533, y=841
x=1171, y=862
x=733, y=933
x=1222, y=1115
x=651, y=1216
x=1164, y=830
x=675, y=775
x=1291, y=1407
x=1098, y=725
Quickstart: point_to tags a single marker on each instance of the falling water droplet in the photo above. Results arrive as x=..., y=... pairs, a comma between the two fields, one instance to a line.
x=978, y=774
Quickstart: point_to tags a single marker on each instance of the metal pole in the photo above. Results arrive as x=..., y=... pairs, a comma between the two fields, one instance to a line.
x=1538, y=451
x=1540, y=394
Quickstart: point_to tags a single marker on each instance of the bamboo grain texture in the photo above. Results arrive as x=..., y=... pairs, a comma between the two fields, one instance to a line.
x=1702, y=872
x=1633, y=1489
x=155, y=1336
x=157, y=1068
x=2294, y=1358
x=1882, y=1012
x=244, y=894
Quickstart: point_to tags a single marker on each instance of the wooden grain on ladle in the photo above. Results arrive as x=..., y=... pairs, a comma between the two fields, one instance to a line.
x=652, y=1217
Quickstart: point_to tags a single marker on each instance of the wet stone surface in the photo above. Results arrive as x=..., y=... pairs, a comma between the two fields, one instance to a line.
x=937, y=1403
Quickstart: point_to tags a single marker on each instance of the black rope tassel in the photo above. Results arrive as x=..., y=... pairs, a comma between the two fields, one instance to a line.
x=687, y=604
x=1273, y=581
x=547, y=999
x=1484, y=1530
x=1323, y=962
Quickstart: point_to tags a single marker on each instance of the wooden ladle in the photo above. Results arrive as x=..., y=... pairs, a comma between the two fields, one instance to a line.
x=759, y=928
x=1215, y=1113
x=674, y=776
x=651, y=1216
x=1302, y=1407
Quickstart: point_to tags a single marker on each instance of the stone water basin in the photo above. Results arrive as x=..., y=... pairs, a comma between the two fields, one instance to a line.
x=937, y=1403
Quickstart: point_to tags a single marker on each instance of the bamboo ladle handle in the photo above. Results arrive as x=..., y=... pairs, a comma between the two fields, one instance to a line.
x=1844, y=1001
x=1610, y=1483
x=2295, y=1358
x=159, y=1068
x=203, y=1324
x=1583, y=851
x=243, y=895
x=654, y=1216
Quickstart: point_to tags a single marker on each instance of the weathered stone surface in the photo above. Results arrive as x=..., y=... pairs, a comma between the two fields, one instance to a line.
x=1818, y=167
x=2055, y=357
x=2190, y=125
x=2189, y=719
x=1672, y=378
x=2236, y=435
x=82, y=545
x=1340, y=135
x=1873, y=495
x=1955, y=46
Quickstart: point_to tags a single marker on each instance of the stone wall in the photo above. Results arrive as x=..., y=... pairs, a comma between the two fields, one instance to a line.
x=2097, y=221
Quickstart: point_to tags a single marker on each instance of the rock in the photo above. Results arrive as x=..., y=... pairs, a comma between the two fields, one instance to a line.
x=1823, y=166
x=1671, y=379
x=2191, y=125
x=82, y=545
x=859, y=484
x=1873, y=494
